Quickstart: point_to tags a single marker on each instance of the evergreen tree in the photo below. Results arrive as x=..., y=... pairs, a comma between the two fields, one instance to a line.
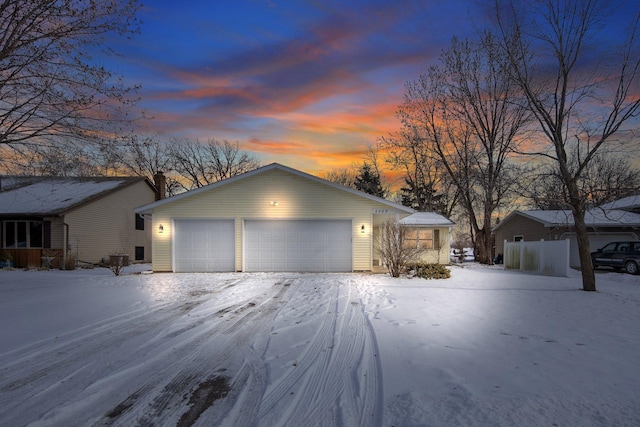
x=422, y=197
x=368, y=181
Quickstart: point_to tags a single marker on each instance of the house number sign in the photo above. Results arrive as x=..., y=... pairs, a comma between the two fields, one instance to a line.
x=381, y=211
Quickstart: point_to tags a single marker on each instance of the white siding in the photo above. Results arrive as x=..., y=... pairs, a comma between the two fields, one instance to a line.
x=107, y=225
x=274, y=194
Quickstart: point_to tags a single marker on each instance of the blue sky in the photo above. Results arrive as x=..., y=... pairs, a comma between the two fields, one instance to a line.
x=309, y=84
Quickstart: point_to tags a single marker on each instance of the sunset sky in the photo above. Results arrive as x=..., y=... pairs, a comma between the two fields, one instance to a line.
x=309, y=84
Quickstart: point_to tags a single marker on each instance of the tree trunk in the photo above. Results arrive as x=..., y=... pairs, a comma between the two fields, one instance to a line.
x=586, y=266
x=483, y=246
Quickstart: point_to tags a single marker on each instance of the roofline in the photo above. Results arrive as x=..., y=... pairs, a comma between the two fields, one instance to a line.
x=560, y=224
x=431, y=224
x=130, y=180
x=133, y=180
x=148, y=208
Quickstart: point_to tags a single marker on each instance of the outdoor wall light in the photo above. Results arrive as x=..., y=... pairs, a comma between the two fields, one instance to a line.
x=274, y=203
x=362, y=228
x=160, y=228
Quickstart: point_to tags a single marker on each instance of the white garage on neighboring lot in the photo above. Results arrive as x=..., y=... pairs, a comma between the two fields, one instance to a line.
x=279, y=219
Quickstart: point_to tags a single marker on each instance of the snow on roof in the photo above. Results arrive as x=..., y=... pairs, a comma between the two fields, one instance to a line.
x=52, y=195
x=630, y=202
x=593, y=217
x=426, y=218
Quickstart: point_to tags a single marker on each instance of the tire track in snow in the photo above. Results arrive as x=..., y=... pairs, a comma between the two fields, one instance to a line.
x=55, y=382
x=47, y=379
x=320, y=341
x=58, y=359
x=177, y=354
x=337, y=379
x=214, y=359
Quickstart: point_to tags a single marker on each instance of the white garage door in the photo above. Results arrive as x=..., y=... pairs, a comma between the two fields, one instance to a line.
x=298, y=245
x=204, y=245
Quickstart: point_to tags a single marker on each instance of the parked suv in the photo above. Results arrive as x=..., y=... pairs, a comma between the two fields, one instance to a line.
x=618, y=255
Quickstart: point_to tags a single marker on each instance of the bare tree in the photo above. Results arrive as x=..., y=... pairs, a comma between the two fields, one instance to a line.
x=464, y=112
x=426, y=189
x=203, y=163
x=53, y=86
x=610, y=178
x=67, y=158
x=147, y=157
x=345, y=177
x=607, y=178
x=581, y=93
x=394, y=252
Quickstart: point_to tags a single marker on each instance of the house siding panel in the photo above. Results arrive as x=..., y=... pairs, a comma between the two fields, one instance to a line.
x=441, y=254
x=110, y=221
x=252, y=197
x=519, y=225
x=57, y=232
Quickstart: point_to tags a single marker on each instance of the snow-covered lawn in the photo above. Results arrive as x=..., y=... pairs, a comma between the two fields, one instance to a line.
x=484, y=348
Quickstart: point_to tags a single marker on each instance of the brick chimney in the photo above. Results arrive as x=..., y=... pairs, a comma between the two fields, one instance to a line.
x=160, y=182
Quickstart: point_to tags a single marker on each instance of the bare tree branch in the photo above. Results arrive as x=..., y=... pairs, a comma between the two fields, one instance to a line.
x=52, y=86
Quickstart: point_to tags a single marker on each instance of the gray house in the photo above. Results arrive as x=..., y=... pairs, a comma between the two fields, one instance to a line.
x=604, y=225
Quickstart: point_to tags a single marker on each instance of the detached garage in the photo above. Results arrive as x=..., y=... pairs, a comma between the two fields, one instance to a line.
x=272, y=219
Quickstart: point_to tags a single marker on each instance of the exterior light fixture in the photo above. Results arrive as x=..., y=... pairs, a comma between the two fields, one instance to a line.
x=362, y=228
x=274, y=203
x=160, y=228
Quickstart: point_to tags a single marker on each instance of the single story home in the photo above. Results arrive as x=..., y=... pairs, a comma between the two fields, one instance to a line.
x=276, y=218
x=48, y=219
x=604, y=226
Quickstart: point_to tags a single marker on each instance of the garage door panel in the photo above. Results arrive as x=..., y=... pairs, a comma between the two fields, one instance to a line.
x=298, y=245
x=204, y=245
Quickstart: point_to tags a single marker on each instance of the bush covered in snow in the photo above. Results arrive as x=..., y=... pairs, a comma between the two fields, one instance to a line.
x=429, y=271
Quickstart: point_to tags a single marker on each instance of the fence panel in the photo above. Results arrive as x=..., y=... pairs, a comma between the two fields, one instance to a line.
x=549, y=258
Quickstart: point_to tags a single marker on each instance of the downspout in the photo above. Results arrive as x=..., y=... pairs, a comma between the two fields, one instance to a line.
x=64, y=245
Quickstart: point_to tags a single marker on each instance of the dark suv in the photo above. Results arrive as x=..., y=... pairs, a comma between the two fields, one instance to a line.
x=618, y=255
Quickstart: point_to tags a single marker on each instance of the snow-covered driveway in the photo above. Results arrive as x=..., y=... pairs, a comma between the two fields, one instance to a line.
x=216, y=349
x=486, y=347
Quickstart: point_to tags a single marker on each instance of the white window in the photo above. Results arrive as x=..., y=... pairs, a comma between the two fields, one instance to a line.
x=421, y=238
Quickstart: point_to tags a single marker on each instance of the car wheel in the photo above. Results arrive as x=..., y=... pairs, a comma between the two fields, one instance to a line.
x=631, y=267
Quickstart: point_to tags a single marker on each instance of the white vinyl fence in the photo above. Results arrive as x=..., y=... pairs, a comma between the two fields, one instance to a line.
x=548, y=258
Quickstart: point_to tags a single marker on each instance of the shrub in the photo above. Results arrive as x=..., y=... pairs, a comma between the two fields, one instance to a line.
x=429, y=271
x=392, y=248
x=71, y=262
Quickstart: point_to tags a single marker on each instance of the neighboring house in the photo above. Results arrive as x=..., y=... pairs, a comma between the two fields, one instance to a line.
x=50, y=218
x=278, y=219
x=603, y=225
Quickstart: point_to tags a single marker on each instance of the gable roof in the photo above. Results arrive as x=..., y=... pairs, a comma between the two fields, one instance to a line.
x=626, y=203
x=52, y=196
x=596, y=217
x=148, y=209
x=426, y=218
